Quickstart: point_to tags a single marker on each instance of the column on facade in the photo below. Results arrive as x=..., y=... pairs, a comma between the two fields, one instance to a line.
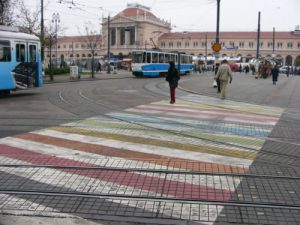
x=127, y=38
x=117, y=37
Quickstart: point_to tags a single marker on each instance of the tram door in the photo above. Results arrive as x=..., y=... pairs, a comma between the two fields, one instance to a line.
x=26, y=71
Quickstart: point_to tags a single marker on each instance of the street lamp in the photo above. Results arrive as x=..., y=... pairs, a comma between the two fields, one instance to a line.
x=108, y=44
x=42, y=31
x=56, y=20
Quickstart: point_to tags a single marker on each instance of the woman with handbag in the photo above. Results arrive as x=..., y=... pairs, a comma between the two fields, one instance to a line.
x=172, y=78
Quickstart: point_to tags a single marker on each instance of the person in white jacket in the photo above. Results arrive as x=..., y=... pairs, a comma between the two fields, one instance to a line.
x=224, y=74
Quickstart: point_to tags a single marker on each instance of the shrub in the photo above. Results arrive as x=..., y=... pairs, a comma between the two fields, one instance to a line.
x=56, y=71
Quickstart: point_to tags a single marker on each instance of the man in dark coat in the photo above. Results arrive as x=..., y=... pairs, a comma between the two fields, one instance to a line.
x=275, y=73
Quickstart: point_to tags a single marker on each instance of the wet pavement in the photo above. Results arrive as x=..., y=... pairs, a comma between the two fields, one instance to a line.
x=202, y=160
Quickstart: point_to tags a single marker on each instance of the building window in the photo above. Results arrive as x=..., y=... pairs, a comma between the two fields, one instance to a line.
x=289, y=45
x=113, y=36
x=279, y=44
x=179, y=44
x=163, y=44
x=70, y=45
x=187, y=44
x=122, y=36
x=241, y=44
x=251, y=44
x=132, y=35
x=261, y=44
x=58, y=46
x=231, y=43
x=76, y=46
x=171, y=44
x=298, y=45
x=82, y=45
x=203, y=44
x=270, y=44
x=195, y=44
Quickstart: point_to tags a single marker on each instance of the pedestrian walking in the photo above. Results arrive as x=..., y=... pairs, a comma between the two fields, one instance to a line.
x=218, y=80
x=172, y=78
x=275, y=73
x=224, y=74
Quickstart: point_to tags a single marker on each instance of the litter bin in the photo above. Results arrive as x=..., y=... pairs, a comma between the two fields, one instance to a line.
x=74, y=73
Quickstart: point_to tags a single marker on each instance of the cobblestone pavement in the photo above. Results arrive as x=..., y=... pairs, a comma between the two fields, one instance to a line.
x=200, y=161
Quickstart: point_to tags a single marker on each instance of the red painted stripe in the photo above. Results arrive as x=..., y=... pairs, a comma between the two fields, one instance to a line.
x=191, y=165
x=148, y=183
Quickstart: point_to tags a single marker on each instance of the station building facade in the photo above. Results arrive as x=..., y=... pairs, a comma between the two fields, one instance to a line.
x=136, y=27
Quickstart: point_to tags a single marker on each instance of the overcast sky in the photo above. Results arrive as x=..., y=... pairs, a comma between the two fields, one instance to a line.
x=184, y=15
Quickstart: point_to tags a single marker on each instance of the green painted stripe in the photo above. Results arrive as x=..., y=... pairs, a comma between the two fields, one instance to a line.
x=228, y=139
x=207, y=136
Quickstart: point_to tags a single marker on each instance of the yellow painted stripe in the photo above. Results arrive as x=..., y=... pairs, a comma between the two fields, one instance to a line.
x=159, y=143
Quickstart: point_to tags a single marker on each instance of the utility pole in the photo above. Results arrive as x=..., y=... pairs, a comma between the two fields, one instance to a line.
x=258, y=36
x=56, y=20
x=205, y=49
x=73, y=57
x=108, y=44
x=216, y=47
x=218, y=22
x=42, y=30
x=50, y=45
x=273, y=41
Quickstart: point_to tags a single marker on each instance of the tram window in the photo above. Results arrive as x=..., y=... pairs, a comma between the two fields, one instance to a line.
x=32, y=53
x=144, y=57
x=148, y=57
x=172, y=58
x=5, y=54
x=137, y=57
x=167, y=58
x=20, y=51
x=154, y=57
x=161, y=57
x=183, y=59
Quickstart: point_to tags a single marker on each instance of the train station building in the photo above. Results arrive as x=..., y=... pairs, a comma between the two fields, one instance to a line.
x=136, y=27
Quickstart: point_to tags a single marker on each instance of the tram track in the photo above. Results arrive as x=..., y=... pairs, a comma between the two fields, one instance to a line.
x=153, y=171
x=157, y=198
x=149, y=89
x=87, y=101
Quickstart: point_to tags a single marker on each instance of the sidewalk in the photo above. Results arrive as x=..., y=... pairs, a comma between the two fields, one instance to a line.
x=117, y=74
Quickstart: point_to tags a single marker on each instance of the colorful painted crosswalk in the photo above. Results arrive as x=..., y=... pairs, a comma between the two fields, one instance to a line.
x=197, y=133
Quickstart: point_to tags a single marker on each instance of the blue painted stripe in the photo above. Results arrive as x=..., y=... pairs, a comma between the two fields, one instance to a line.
x=232, y=130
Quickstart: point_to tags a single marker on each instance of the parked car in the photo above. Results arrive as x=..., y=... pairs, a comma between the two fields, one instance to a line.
x=283, y=69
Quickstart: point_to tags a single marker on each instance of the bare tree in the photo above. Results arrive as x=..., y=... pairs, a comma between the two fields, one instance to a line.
x=7, y=12
x=49, y=41
x=93, y=42
x=28, y=20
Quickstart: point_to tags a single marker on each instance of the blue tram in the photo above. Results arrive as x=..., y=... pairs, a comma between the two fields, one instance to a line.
x=20, y=60
x=149, y=63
